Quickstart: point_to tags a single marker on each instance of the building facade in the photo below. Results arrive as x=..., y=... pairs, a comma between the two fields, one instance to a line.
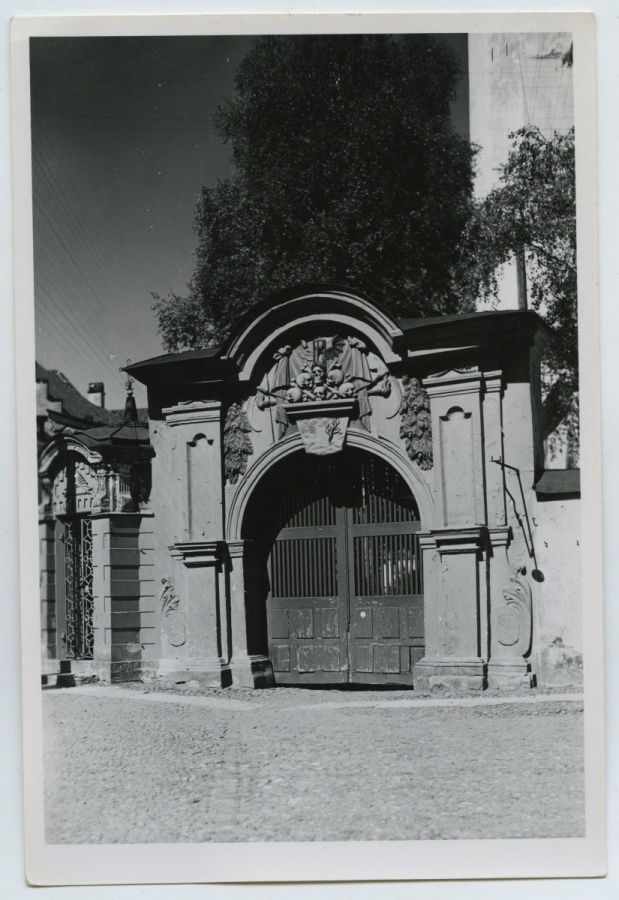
x=338, y=497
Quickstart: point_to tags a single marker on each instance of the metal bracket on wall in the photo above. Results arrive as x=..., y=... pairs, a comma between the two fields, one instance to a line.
x=527, y=534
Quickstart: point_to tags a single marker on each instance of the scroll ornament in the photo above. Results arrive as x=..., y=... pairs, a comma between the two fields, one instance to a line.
x=173, y=620
x=237, y=445
x=416, y=425
x=513, y=622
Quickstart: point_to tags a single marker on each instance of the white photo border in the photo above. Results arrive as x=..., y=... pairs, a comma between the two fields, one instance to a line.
x=48, y=864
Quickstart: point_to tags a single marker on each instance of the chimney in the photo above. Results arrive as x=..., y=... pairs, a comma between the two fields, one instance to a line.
x=96, y=393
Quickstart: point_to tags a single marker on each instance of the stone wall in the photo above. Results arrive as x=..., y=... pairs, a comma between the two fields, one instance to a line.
x=557, y=650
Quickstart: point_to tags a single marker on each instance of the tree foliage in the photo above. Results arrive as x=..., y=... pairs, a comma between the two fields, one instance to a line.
x=532, y=211
x=346, y=168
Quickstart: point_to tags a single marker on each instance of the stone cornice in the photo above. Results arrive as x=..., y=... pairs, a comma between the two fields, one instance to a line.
x=194, y=413
x=453, y=381
x=501, y=536
x=455, y=540
x=198, y=553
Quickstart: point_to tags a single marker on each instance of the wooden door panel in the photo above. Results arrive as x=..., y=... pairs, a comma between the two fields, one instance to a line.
x=314, y=641
x=415, y=618
x=306, y=658
x=362, y=622
x=363, y=658
x=332, y=658
x=330, y=623
x=302, y=623
x=386, y=601
x=279, y=623
x=388, y=640
x=345, y=600
x=308, y=609
x=280, y=657
x=388, y=622
x=387, y=659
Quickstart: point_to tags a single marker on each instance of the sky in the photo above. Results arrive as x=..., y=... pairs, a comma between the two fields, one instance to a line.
x=122, y=141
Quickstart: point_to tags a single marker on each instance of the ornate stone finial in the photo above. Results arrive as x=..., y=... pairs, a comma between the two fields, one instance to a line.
x=130, y=415
x=129, y=381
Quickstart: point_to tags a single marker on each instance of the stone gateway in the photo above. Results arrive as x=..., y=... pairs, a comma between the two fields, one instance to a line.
x=338, y=497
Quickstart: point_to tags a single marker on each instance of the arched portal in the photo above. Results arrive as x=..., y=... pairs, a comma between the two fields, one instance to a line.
x=335, y=588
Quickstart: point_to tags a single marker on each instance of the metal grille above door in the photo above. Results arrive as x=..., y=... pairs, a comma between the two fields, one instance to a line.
x=345, y=601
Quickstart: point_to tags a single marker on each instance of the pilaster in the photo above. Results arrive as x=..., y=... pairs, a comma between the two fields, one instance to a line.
x=195, y=617
x=198, y=461
x=122, y=588
x=459, y=477
x=47, y=569
x=493, y=448
x=248, y=669
x=455, y=552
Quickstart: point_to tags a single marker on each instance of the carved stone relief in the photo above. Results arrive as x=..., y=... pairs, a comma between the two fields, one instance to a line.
x=76, y=487
x=320, y=371
x=324, y=432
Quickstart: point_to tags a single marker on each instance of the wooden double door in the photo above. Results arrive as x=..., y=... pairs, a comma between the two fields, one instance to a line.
x=345, y=600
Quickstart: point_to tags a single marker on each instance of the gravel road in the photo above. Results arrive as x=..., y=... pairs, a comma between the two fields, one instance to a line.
x=125, y=766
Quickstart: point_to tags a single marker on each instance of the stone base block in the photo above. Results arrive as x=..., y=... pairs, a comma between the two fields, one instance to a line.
x=252, y=672
x=205, y=673
x=119, y=671
x=506, y=675
x=462, y=676
x=512, y=683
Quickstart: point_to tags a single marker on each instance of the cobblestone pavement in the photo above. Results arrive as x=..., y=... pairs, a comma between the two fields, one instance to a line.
x=126, y=766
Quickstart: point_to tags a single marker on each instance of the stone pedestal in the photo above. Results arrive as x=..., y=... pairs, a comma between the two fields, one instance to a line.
x=198, y=629
x=453, y=658
x=510, y=620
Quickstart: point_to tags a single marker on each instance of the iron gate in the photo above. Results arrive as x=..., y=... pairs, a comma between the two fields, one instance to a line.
x=79, y=628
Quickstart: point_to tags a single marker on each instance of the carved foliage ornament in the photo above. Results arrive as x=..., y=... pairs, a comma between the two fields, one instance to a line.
x=416, y=425
x=237, y=445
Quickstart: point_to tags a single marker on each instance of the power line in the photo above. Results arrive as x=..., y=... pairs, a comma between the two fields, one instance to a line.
x=116, y=118
x=173, y=65
x=127, y=127
x=84, y=233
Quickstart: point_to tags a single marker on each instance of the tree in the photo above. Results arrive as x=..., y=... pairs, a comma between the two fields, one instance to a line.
x=346, y=169
x=532, y=212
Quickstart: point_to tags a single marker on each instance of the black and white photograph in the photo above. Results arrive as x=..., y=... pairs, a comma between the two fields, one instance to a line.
x=304, y=551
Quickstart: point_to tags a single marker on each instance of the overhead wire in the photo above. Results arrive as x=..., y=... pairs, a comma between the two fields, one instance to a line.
x=71, y=293
x=91, y=240
x=171, y=64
